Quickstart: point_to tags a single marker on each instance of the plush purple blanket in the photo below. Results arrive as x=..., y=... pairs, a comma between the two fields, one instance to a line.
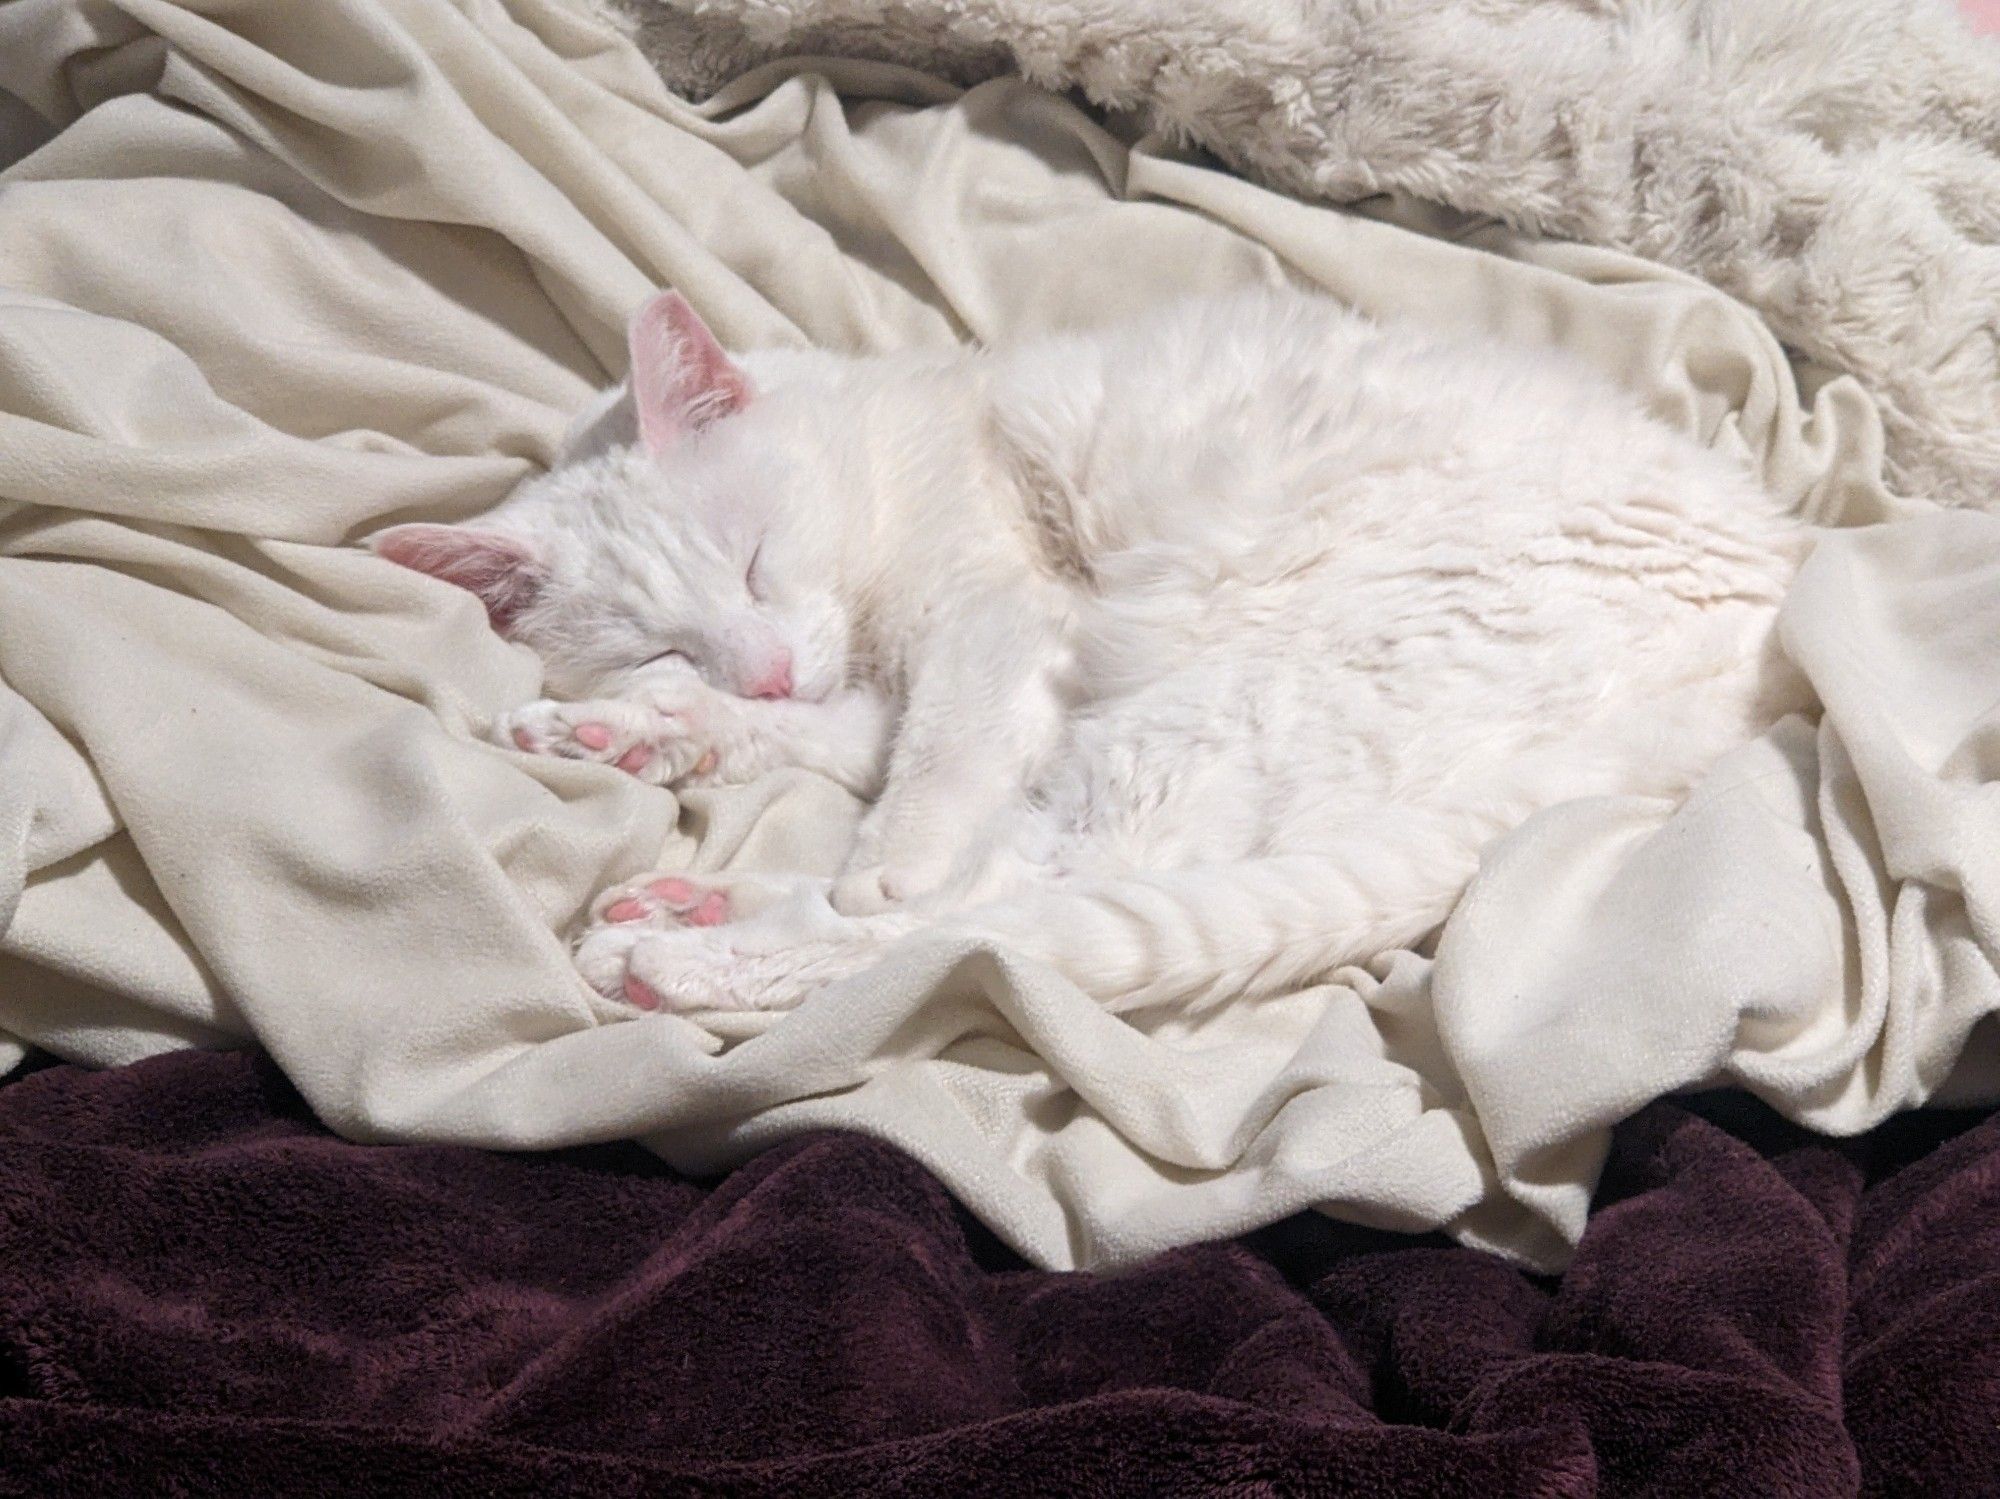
x=203, y=1292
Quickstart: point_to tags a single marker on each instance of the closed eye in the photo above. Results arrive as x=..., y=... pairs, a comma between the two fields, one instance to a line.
x=681, y=656
x=750, y=578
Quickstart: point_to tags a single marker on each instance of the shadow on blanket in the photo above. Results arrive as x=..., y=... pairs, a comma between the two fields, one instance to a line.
x=199, y=1284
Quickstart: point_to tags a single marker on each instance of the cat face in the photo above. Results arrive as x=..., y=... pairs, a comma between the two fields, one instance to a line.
x=671, y=534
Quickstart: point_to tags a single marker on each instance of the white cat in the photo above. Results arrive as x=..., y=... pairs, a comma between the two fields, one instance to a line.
x=1196, y=656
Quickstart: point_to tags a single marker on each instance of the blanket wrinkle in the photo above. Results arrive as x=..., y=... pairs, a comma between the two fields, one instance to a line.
x=366, y=266
x=203, y=1289
x=1834, y=163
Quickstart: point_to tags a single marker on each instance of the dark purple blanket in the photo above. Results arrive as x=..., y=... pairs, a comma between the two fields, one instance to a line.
x=203, y=1292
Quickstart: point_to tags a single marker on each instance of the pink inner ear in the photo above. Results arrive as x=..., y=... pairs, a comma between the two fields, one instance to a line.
x=502, y=571
x=681, y=378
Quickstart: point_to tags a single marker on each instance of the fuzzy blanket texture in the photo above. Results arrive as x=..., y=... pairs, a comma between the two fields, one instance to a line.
x=1833, y=163
x=274, y=282
x=203, y=1292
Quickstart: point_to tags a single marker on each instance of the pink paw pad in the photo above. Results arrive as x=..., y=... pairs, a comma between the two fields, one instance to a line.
x=525, y=740
x=627, y=909
x=674, y=892
x=705, y=764
x=638, y=995
x=592, y=736
x=713, y=910
x=635, y=759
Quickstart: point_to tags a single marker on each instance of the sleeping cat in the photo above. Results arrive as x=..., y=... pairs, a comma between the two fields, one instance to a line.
x=1196, y=657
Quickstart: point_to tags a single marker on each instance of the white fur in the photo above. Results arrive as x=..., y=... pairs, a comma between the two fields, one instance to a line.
x=1195, y=657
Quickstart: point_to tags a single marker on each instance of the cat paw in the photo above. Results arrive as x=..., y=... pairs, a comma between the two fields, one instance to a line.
x=677, y=970
x=662, y=901
x=644, y=742
x=623, y=917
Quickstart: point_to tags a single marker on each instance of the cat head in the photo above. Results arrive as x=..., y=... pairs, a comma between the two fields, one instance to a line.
x=679, y=524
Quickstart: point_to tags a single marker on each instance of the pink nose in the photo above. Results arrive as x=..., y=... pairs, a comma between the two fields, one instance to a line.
x=777, y=681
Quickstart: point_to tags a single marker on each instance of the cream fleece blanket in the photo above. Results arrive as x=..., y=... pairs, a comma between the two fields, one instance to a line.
x=287, y=273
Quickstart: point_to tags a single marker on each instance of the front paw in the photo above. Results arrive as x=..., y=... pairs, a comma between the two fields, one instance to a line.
x=680, y=969
x=658, y=748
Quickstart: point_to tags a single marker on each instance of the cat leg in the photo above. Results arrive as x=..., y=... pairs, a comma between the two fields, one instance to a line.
x=1130, y=940
x=983, y=706
x=844, y=737
x=772, y=960
x=651, y=941
x=673, y=728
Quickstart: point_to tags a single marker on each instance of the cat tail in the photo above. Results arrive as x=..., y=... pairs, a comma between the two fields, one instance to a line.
x=1224, y=931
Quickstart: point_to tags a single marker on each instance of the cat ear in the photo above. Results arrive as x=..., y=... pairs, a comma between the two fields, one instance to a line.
x=681, y=379
x=505, y=574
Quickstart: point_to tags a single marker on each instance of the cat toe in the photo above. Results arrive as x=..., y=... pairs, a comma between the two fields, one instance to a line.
x=603, y=958
x=666, y=900
x=697, y=970
x=533, y=730
x=608, y=958
x=685, y=762
x=565, y=730
x=650, y=969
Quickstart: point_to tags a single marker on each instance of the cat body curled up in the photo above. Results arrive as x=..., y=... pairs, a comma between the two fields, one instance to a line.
x=1196, y=656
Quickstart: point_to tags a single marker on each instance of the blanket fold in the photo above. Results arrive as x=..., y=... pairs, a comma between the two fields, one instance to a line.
x=270, y=286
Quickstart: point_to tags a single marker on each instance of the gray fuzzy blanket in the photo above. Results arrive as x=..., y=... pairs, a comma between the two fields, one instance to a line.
x=1835, y=164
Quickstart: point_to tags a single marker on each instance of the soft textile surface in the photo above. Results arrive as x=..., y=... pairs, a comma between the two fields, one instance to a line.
x=1835, y=163
x=198, y=1284
x=277, y=282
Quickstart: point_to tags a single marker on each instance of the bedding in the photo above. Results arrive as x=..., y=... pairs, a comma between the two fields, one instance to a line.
x=1834, y=163
x=203, y=1291
x=274, y=283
